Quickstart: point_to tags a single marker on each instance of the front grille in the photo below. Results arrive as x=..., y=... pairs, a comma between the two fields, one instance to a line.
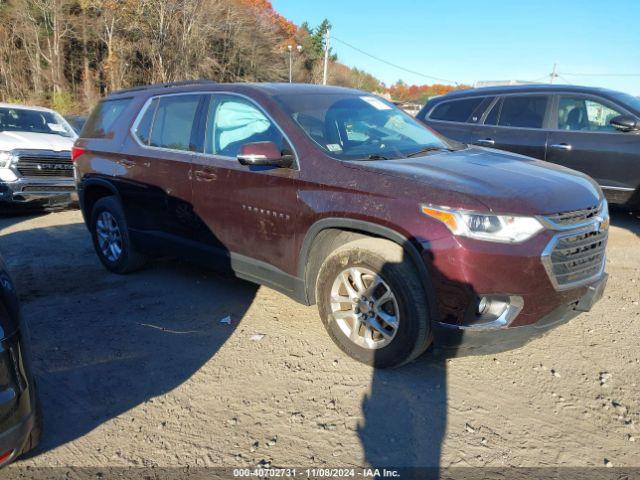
x=45, y=166
x=574, y=217
x=577, y=257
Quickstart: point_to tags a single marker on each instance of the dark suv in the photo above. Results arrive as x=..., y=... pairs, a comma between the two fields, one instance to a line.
x=20, y=412
x=592, y=130
x=336, y=197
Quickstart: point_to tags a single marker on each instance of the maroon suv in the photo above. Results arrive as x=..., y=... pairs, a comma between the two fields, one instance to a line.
x=336, y=197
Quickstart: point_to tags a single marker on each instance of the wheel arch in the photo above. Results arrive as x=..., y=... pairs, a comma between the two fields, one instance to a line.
x=92, y=190
x=327, y=234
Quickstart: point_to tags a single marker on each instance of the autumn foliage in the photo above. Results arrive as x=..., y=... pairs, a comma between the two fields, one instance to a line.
x=69, y=53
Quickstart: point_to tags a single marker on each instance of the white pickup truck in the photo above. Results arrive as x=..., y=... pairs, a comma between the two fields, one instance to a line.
x=35, y=157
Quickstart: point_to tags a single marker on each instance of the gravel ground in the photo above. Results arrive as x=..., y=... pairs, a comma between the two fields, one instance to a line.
x=139, y=371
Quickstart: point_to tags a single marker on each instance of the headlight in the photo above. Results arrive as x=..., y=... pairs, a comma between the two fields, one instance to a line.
x=5, y=159
x=486, y=226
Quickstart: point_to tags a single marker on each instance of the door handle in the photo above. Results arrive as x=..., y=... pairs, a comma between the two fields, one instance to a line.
x=561, y=146
x=205, y=176
x=486, y=141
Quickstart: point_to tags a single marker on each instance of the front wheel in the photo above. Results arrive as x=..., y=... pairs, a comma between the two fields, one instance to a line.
x=372, y=303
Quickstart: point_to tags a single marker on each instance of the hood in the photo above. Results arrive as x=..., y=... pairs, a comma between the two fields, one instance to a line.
x=503, y=182
x=34, y=141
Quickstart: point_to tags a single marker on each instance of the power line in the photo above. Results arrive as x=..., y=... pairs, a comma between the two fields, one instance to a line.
x=399, y=67
x=602, y=74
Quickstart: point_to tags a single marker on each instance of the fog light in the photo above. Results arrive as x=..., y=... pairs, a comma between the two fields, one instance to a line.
x=492, y=311
x=483, y=303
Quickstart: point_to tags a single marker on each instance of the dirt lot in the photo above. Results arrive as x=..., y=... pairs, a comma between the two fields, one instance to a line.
x=139, y=371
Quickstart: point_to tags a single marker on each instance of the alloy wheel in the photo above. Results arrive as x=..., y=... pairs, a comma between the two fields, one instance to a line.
x=365, y=308
x=109, y=236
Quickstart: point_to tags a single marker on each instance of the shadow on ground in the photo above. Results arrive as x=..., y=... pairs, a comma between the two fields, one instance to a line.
x=104, y=344
x=624, y=218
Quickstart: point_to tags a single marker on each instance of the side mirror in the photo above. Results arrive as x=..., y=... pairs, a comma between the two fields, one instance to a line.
x=264, y=154
x=625, y=123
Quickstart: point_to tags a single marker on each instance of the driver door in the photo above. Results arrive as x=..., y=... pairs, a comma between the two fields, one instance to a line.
x=581, y=138
x=250, y=209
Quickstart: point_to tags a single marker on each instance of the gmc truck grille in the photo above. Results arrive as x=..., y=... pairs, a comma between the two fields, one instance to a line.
x=45, y=166
x=577, y=257
x=577, y=216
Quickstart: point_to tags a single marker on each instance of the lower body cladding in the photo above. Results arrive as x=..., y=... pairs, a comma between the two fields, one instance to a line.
x=495, y=297
x=44, y=192
x=18, y=404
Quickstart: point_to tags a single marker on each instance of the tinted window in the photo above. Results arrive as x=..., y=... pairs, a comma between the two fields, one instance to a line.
x=102, y=121
x=173, y=122
x=525, y=111
x=358, y=127
x=581, y=114
x=33, y=121
x=628, y=100
x=143, y=129
x=234, y=122
x=456, y=110
x=492, y=118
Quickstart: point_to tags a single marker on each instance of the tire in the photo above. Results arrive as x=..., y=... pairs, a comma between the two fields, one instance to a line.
x=372, y=259
x=107, y=216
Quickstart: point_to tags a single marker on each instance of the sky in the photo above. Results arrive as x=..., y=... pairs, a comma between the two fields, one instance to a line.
x=466, y=41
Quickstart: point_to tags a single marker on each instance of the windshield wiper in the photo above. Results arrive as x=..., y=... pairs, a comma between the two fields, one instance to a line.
x=431, y=148
x=375, y=156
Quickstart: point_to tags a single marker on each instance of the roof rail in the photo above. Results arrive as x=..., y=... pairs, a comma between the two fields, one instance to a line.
x=181, y=83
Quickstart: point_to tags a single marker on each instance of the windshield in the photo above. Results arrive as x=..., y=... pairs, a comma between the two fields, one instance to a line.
x=359, y=127
x=33, y=121
x=628, y=100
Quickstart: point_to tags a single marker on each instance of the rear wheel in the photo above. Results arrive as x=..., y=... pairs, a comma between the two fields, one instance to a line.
x=372, y=303
x=111, y=238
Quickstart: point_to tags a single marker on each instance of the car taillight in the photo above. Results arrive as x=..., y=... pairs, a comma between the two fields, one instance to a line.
x=76, y=152
x=5, y=456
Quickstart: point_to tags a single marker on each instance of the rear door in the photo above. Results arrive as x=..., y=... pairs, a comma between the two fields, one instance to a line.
x=158, y=158
x=516, y=123
x=581, y=138
x=455, y=119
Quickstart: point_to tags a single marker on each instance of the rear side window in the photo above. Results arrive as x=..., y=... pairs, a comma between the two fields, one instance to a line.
x=143, y=130
x=173, y=122
x=102, y=121
x=492, y=117
x=456, y=110
x=523, y=111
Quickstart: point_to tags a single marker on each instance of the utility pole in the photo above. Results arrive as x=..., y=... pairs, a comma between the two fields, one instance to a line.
x=553, y=75
x=326, y=57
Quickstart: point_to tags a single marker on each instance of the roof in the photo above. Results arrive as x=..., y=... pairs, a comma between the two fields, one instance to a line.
x=270, y=89
x=25, y=107
x=502, y=89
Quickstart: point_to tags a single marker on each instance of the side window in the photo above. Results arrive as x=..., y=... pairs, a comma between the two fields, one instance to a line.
x=583, y=114
x=173, y=124
x=234, y=122
x=476, y=116
x=494, y=114
x=103, y=118
x=523, y=111
x=456, y=110
x=143, y=129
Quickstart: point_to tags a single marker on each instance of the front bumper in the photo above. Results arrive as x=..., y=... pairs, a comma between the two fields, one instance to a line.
x=453, y=340
x=46, y=191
